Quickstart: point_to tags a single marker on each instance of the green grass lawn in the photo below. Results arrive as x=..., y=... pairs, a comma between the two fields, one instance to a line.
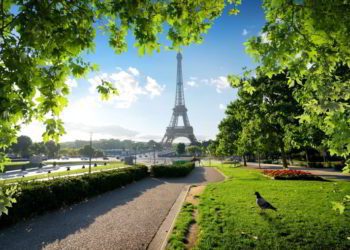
x=64, y=173
x=16, y=163
x=183, y=222
x=230, y=219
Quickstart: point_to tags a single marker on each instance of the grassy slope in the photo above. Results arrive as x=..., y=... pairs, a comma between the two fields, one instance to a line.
x=229, y=218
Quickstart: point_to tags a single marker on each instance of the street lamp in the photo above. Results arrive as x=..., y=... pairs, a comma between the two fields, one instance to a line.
x=90, y=153
x=154, y=154
x=135, y=154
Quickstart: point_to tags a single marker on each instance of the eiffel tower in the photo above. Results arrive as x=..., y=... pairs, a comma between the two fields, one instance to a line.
x=174, y=131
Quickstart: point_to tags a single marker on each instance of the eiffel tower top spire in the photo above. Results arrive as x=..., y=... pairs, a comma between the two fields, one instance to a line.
x=179, y=98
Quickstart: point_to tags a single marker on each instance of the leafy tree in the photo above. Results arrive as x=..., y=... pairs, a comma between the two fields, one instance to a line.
x=98, y=153
x=72, y=152
x=311, y=40
x=263, y=119
x=52, y=149
x=236, y=134
x=38, y=148
x=180, y=148
x=229, y=129
x=42, y=43
x=87, y=151
x=151, y=144
x=194, y=150
x=22, y=146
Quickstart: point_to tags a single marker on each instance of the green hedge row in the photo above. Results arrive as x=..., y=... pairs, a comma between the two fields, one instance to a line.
x=336, y=165
x=175, y=170
x=38, y=197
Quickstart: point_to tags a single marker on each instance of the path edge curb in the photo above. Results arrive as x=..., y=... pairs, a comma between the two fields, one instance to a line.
x=174, y=210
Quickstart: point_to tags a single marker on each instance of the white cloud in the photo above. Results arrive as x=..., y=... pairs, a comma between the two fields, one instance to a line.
x=82, y=110
x=220, y=83
x=192, y=83
x=72, y=83
x=222, y=106
x=153, y=88
x=101, y=130
x=205, y=81
x=128, y=85
x=245, y=32
x=134, y=71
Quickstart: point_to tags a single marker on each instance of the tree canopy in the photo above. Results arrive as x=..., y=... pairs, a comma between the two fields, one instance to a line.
x=22, y=146
x=265, y=120
x=311, y=40
x=43, y=42
x=180, y=148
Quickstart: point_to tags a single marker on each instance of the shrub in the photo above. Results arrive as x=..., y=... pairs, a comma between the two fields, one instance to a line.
x=175, y=170
x=38, y=197
x=288, y=174
x=316, y=165
x=230, y=162
x=337, y=165
x=267, y=161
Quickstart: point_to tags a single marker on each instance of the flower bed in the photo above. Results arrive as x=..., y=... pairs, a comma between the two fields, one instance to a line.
x=289, y=174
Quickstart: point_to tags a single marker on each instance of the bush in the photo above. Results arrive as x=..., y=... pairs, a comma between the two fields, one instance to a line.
x=38, y=197
x=230, y=162
x=316, y=164
x=287, y=174
x=175, y=170
x=267, y=161
x=337, y=165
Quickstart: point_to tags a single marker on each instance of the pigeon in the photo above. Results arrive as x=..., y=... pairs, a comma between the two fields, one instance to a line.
x=263, y=204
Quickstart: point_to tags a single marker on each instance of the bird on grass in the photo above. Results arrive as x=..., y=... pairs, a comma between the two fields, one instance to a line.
x=262, y=203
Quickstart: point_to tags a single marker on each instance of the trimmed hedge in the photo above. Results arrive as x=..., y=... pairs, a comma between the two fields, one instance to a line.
x=38, y=197
x=175, y=170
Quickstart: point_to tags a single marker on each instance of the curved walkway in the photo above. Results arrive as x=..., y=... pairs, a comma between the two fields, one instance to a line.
x=125, y=218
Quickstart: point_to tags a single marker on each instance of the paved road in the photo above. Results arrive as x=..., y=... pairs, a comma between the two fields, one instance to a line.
x=327, y=173
x=126, y=218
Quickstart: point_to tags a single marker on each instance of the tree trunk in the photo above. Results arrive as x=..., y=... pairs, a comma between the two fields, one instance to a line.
x=307, y=158
x=259, y=160
x=284, y=158
x=244, y=161
x=290, y=160
x=324, y=153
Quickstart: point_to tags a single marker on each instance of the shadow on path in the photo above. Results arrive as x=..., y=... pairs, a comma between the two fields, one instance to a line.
x=127, y=204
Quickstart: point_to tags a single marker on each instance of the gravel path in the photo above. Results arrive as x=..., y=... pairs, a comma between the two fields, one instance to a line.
x=126, y=218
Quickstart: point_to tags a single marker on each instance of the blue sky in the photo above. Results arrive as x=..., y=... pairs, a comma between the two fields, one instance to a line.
x=147, y=84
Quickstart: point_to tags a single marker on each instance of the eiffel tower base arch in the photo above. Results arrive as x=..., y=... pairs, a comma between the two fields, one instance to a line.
x=175, y=132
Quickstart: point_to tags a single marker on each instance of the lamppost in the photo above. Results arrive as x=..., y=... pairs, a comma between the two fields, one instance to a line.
x=90, y=153
x=154, y=154
x=135, y=154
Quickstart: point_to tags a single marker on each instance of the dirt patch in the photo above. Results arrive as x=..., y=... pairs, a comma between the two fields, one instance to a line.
x=194, y=193
x=193, y=197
